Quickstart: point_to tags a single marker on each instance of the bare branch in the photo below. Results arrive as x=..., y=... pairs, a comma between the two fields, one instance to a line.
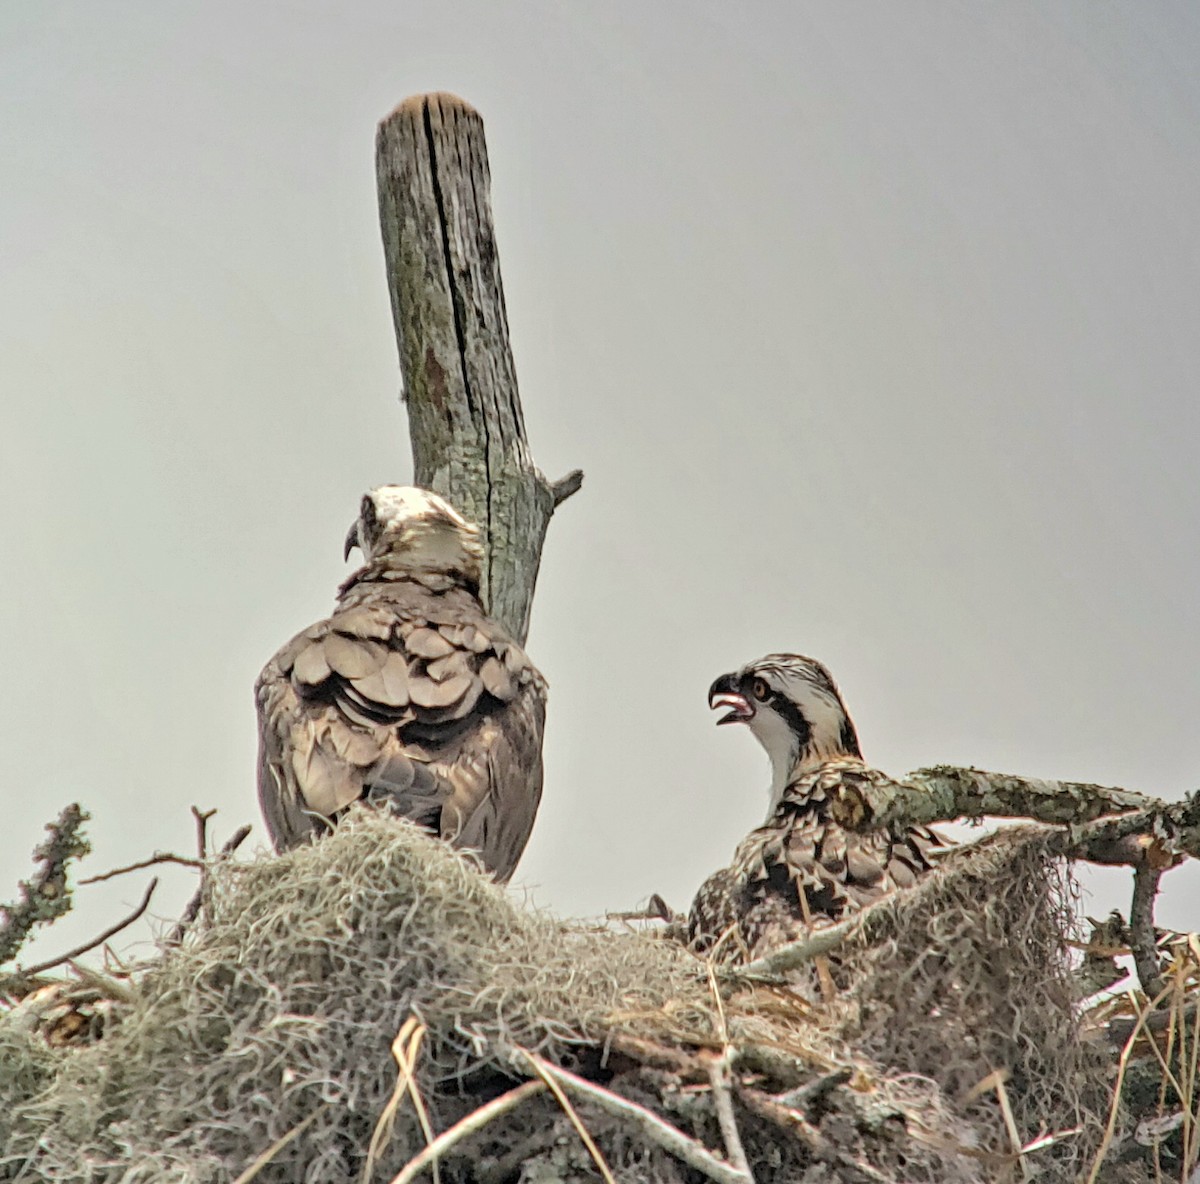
x=720, y=1078
x=1099, y=819
x=1142, y=941
x=41, y=967
x=47, y=896
x=814, y=1091
x=202, y=817
x=779, y=962
x=669, y=1138
x=946, y=792
x=142, y=864
x=193, y=906
x=542, y=1069
x=817, y=1144
x=475, y=1121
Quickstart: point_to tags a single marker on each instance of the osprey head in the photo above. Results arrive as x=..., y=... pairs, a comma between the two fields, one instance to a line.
x=793, y=707
x=403, y=526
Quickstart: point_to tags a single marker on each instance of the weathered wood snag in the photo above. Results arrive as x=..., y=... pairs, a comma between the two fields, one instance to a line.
x=460, y=383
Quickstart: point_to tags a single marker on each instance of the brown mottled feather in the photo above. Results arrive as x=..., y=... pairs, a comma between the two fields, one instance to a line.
x=802, y=862
x=408, y=693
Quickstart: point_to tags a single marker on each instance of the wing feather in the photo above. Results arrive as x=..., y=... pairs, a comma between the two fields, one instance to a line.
x=411, y=697
x=802, y=866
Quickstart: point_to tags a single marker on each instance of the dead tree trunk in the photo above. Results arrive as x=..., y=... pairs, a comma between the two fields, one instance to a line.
x=460, y=384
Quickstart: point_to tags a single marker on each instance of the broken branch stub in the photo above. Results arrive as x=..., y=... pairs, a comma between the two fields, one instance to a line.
x=460, y=382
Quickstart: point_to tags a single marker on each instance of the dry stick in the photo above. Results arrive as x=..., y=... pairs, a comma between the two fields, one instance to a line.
x=404, y=1048
x=720, y=1078
x=795, y=954
x=157, y=857
x=1142, y=942
x=812, y=1092
x=108, y=986
x=202, y=817
x=541, y=1068
x=475, y=1121
x=276, y=1147
x=42, y=967
x=720, y=1075
x=193, y=906
x=1122, y=1065
x=994, y=1081
x=669, y=1138
x=818, y=1145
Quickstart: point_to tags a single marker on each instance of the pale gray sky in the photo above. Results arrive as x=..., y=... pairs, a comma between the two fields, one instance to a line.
x=873, y=326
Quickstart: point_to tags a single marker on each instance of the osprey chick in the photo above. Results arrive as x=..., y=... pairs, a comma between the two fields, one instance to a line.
x=408, y=694
x=800, y=867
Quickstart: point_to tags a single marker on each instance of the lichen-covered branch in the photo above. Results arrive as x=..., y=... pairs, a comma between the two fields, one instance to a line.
x=1141, y=929
x=1100, y=821
x=460, y=382
x=47, y=895
x=945, y=792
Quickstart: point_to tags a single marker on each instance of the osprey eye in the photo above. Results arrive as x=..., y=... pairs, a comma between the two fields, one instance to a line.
x=760, y=690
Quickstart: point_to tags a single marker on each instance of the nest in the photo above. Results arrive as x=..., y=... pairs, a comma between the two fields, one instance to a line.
x=335, y=1006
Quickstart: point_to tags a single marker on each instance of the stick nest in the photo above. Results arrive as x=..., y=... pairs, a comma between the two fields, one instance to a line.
x=277, y=1014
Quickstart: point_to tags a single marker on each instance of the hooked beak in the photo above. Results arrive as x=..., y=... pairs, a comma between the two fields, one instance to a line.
x=724, y=693
x=351, y=540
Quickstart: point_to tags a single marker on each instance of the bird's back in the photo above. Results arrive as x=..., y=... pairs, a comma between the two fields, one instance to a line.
x=408, y=693
x=801, y=869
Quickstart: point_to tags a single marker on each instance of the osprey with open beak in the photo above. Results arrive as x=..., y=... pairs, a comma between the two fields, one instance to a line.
x=409, y=694
x=800, y=868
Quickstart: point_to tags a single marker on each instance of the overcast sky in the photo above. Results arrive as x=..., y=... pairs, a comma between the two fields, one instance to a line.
x=875, y=328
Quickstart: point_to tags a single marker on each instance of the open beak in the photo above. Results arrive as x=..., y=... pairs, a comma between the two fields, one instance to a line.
x=351, y=539
x=724, y=693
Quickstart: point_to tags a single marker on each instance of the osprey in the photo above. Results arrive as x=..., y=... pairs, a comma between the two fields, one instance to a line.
x=409, y=694
x=799, y=868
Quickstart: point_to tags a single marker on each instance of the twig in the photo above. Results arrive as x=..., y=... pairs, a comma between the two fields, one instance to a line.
x=814, y=1091
x=816, y=1143
x=795, y=954
x=157, y=857
x=202, y=817
x=1142, y=941
x=1118, y=1029
x=404, y=1048
x=543, y=1070
x=669, y=1138
x=1118, y=1085
x=656, y=909
x=46, y=896
x=773, y=1062
x=564, y=487
x=276, y=1147
x=108, y=986
x=656, y=1056
x=720, y=1078
x=475, y=1121
x=994, y=1083
x=193, y=906
x=41, y=967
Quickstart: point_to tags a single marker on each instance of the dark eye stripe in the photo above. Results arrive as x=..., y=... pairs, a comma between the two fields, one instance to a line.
x=791, y=715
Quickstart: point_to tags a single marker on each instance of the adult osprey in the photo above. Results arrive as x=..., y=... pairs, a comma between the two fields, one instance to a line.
x=409, y=694
x=800, y=867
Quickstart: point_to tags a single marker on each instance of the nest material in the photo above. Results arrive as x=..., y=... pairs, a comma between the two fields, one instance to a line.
x=971, y=980
x=280, y=1009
